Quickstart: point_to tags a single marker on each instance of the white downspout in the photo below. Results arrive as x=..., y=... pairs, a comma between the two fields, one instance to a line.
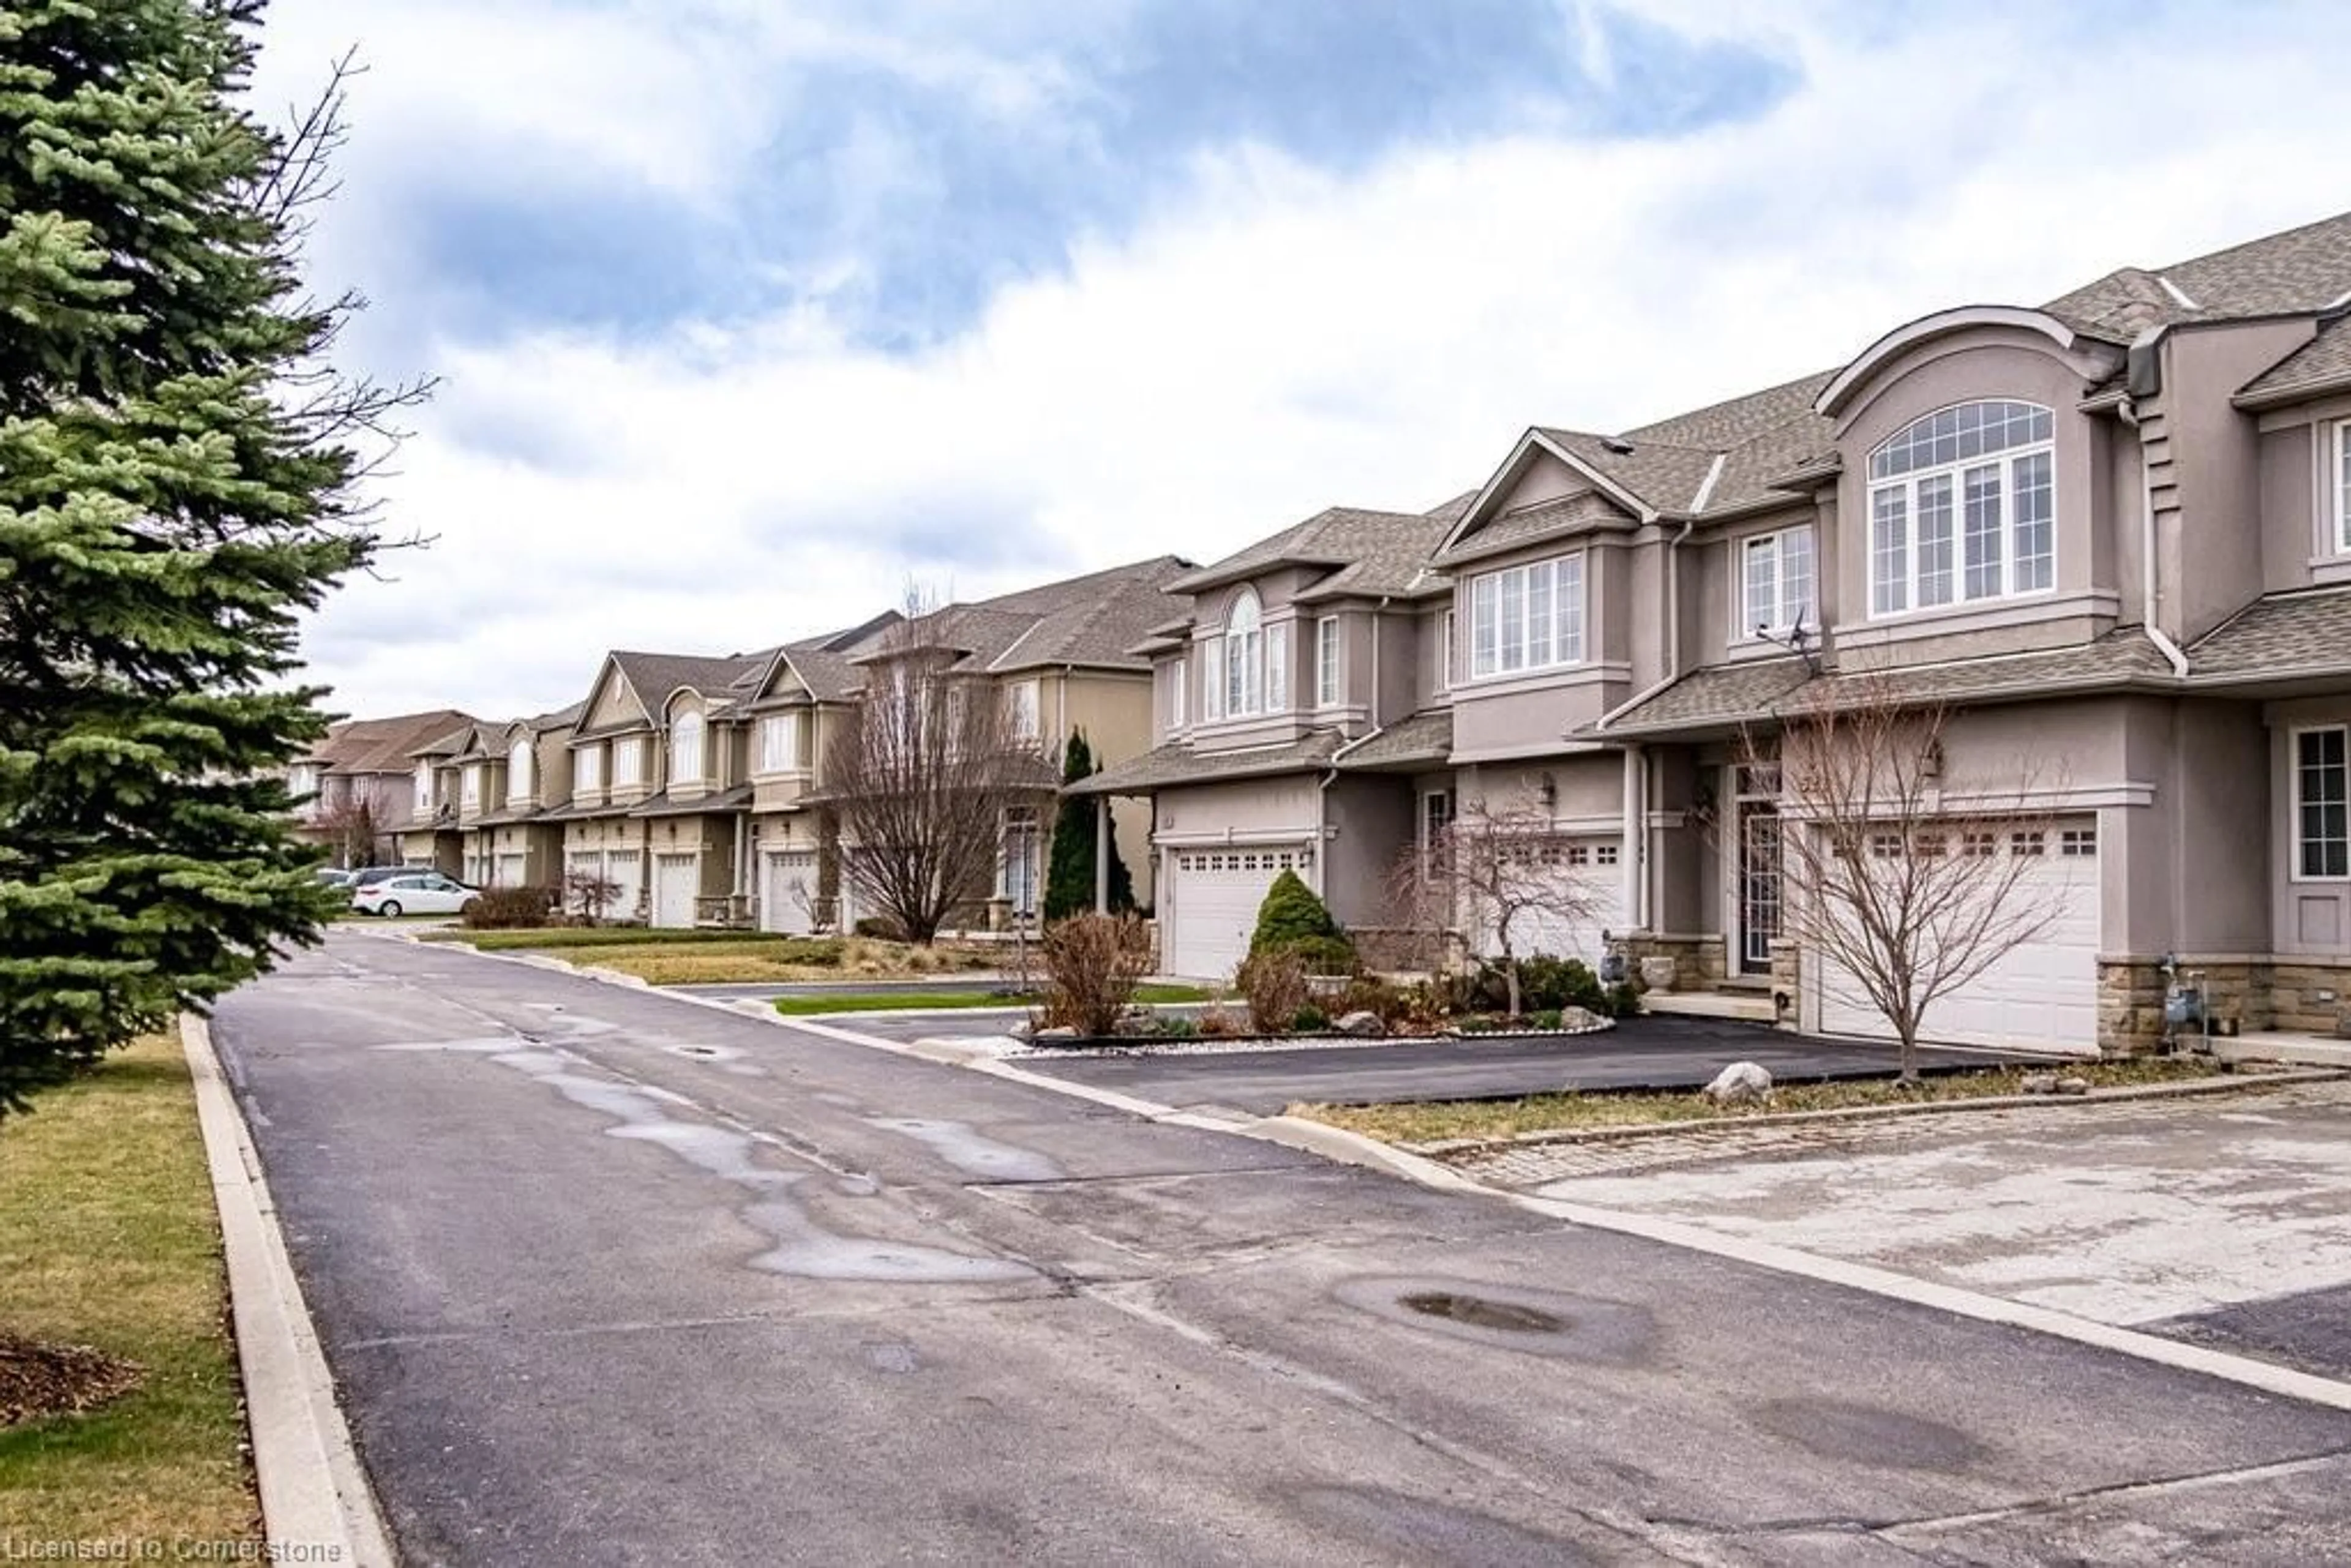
x=2170, y=650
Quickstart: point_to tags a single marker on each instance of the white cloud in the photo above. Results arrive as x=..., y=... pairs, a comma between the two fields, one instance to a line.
x=1270, y=339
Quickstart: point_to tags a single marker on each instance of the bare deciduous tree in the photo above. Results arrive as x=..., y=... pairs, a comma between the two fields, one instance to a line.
x=920, y=774
x=352, y=826
x=1906, y=890
x=590, y=892
x=1498, y=868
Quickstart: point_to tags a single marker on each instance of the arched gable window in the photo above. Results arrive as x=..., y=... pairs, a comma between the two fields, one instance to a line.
x=520, y=761
x=1962, y=506
x=685, y=763
x=1249, y=665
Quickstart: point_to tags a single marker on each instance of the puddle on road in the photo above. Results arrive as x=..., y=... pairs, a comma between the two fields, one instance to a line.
x=802, y=1248
x=972, y=1152
x=1509, y=1317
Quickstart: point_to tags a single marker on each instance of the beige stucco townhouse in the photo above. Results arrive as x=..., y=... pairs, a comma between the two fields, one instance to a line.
x=365, y=760
x=2111, y=532
x=511, y=778
x=660, y=786
x=1059, y=657
x=431, y=836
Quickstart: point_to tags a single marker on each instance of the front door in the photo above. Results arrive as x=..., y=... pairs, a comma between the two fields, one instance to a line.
x=1758, y=807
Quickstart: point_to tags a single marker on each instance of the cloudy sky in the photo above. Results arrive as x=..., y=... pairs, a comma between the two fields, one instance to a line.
x=746, y=311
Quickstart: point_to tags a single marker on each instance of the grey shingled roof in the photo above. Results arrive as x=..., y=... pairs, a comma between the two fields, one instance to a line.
x=1096, y=620
x=1712, y=698
x=2279, y=636
x=2301, y=270
x=653, y=676
x=383, y=745
x=663, y=805
x=2318, y=365
x=1392, y=547
x=2123, y=657
x=1425, y=737
x=1176, y=764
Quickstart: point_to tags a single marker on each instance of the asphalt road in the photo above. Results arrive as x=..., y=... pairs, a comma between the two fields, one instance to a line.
x=608, y=1277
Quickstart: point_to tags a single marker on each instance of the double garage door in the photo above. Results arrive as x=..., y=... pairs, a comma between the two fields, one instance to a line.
x=1213, y=897
x=787, y=892
x=2044, y=994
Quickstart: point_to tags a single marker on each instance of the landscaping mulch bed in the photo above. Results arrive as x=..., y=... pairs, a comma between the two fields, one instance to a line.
x=38, y=1381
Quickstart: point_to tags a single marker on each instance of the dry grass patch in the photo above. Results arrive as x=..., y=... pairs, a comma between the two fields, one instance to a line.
x=109, y=1239
x=1444, y=1120
x=754, y=960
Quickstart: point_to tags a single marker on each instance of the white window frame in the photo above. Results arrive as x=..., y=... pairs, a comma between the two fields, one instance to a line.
x=689, y=739
x=1447, y=629
x=1895, y=497
x=1212, y=687
x=1326, y=662
x=1178, y=694
x=2300, y=840
x=1024, y=703
x=469, y=786
x=779, y=743
x=1544, y=601
x=522, y=772
x=1787, y=608
x=1251, y=675
x=2338, y=483
x=588, y=768
x=631, y=751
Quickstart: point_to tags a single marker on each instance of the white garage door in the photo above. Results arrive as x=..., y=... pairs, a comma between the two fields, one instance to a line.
x=625, y=871
x=510, y=870
x=1589, y=901
x=2044, y=994
x=787, y=892
x=579, y=862
x=676, y=880
x=1215, y=896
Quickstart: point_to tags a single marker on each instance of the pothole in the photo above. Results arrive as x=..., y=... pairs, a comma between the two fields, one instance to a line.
x=703, y=1053
x=1479, y=1311
x=1507, y=1317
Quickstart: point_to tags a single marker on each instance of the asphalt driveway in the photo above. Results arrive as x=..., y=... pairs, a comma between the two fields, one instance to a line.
x=1639, y=1053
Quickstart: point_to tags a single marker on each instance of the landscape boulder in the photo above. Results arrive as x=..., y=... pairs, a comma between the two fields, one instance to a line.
x=1580, y=1020
x=1740, y=1083
x=2073, y=1086
x=1060, y=1031
x=1366, y=1025
x=2037, y=1084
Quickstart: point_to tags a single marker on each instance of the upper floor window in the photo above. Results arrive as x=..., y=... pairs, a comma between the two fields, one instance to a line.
x=303, y=780
x=2322, y=803
x=2342, y=486
x=779, y=743
x=1326, y=662
x=588, y=768
x=1527, y=617
x=521, y=765
x=686, y=759
x=1179, y=694
x=424, y=786
x=470, y=787
x=1022, y=709
x=1249, y=665
x=1447, y=651
x=1775, y=577
x=628, y=763
x=1962, y=506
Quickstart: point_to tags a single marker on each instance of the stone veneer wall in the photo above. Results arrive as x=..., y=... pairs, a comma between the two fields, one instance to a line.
x=2295, y=994
x=1697, y=960
x=1786, y=980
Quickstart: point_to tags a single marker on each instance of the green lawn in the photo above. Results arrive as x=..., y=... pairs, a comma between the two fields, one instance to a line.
x=109, y=1239
x=1429, y=1123
x=924, y=1001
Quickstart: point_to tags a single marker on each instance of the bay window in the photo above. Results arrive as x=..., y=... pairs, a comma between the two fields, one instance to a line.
x=1776, y=582
x=628, y=763
x=424, y=789
x=588, y=768
x=1249, y=665
x=2341, y=487
x=779, y=743
x=1023, y=712
x=685, y=748
x=1212, y=679
x=1962, y=508
x=469, y=788
x=521, y=768
x=1527, y=617
x=1326, y=662
x=1177, y=693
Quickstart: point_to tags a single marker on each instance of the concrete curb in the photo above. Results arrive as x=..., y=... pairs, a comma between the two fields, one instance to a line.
x=1353, y=1148
x=2240, y=1083
x=314, y=1495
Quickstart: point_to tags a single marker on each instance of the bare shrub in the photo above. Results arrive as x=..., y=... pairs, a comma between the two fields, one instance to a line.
x=1274, y=985
x=507, y=908
x=591, y=892
x=1092, y=964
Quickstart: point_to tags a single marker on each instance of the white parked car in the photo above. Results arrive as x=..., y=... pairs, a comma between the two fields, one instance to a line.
x=414, y=893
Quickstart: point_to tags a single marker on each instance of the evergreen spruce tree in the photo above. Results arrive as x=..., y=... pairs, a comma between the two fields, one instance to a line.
x=1069, y=874
x=175, y=488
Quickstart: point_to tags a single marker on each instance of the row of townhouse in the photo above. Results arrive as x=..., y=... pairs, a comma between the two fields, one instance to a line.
x=2110, y=535
x=693, y=784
